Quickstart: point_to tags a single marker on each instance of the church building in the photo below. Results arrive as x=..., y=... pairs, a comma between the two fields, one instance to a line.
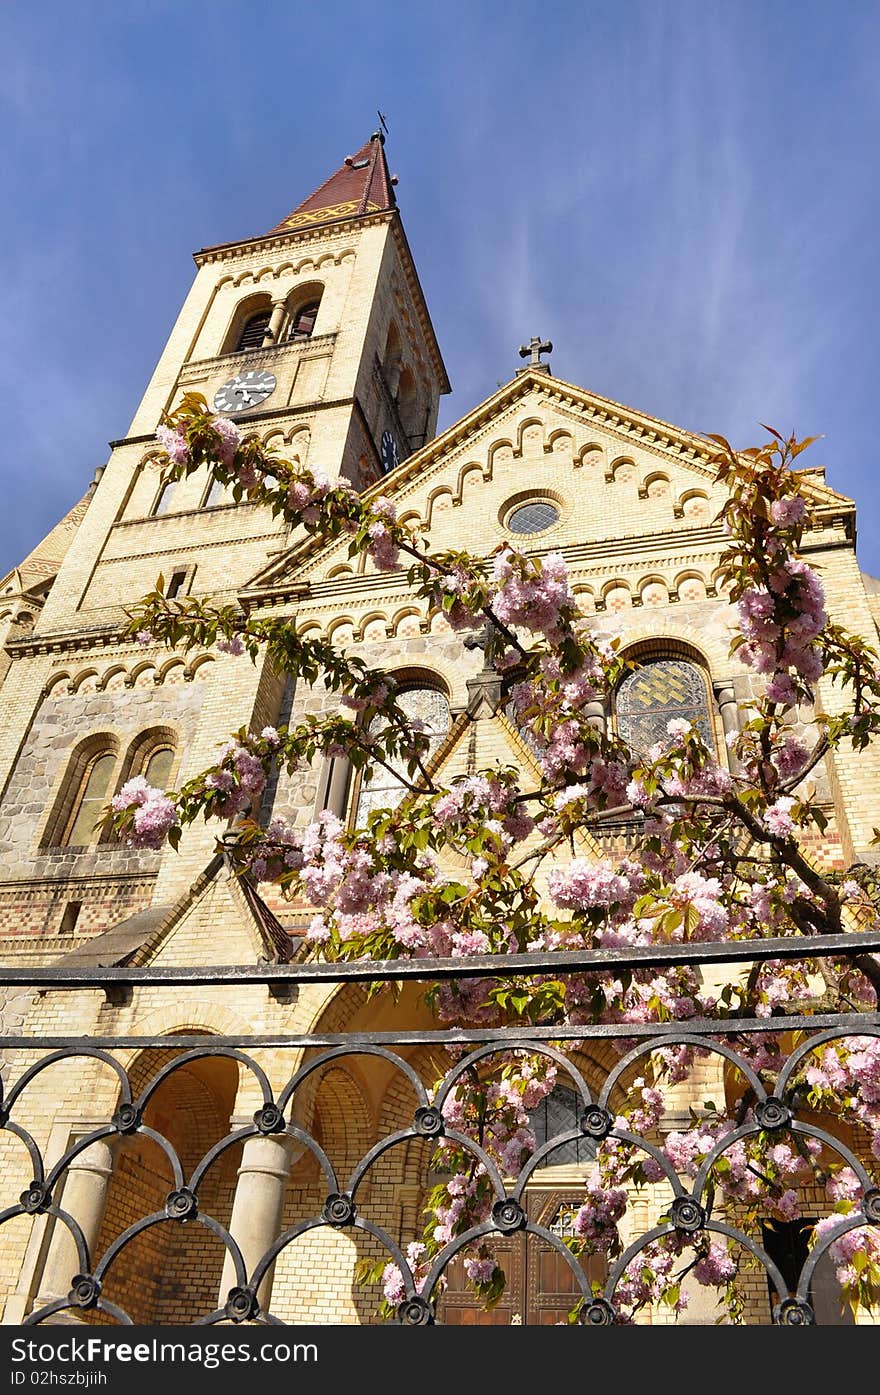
x=316, y=335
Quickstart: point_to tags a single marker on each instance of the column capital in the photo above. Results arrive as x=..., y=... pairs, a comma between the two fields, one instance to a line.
x=724, y=690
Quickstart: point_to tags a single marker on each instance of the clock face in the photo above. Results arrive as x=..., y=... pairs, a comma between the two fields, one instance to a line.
x=244, y=390
x=388, y=452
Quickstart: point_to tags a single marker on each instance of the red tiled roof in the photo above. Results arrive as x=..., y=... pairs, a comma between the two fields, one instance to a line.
x=361, y=185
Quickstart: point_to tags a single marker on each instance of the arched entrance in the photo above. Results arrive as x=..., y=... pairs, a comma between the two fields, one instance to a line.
x=170, y=1273
x=541, y=1289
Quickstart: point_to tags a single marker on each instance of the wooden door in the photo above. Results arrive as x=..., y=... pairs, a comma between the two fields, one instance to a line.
x=541, y=1288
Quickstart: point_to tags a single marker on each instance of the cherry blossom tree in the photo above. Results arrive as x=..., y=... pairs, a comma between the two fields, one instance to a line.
x=720, y=854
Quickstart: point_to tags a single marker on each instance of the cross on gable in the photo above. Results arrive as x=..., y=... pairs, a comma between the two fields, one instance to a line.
x=536, y=347
x=489, y=639
x=487, y=686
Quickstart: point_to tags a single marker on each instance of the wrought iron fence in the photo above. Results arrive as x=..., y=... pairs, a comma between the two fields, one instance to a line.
x=689, y=1214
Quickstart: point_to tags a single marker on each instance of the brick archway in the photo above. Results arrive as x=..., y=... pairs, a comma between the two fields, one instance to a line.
x=171, y=1272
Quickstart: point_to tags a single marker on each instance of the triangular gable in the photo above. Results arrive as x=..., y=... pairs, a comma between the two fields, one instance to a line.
x=478, y=740
x=570, y=422
x=220, y=919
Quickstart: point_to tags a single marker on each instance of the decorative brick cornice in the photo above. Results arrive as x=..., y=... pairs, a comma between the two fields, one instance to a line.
x=267, y=356
x=61, y=641
x=293, y=237
x=36, y=887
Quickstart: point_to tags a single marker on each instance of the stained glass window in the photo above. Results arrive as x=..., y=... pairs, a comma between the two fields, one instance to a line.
x=655, y=694
x=559, y=1114
x=384, y=790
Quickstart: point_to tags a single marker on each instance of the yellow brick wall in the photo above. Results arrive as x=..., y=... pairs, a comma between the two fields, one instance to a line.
x=636, y=510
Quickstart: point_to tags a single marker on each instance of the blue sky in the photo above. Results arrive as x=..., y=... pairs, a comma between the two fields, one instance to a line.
x=681, y=194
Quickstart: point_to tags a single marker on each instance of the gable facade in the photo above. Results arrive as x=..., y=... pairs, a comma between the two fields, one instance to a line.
x=629, y=501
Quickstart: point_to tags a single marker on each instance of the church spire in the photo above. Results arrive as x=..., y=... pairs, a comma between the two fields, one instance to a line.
x=361, y=185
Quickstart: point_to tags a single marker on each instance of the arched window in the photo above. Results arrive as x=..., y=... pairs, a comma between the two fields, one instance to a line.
x=213, y=495
x=384, y=790
x=157, y=767
x=656, y=693
x=151, y=754
x=408, y=405
x=90, y=795
x=558, y=1114
x=392, y=359
x=302, y=325
x=164, y=498
x=254, y=331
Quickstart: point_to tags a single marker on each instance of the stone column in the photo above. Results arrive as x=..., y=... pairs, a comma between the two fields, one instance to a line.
x=84, y=1198
x=257, y=1208
x=725, y=696
x=333, y=786
x=596, y=715
x=273, y=331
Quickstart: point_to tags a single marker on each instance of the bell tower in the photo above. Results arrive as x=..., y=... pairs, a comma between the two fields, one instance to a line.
x=315, y=335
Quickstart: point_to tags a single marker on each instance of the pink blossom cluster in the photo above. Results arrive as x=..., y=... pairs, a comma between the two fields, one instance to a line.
x=487, y=801
x=645, y=1107
x=849, y=1071
x=382, y=547
x=240, y=777
x=780, y=984
x=768, y=1173
x=777, y=817
x=561, y=691
x=372, y=694
x=649, y=996
x=532, y=593
x=851, y=1252
x=781, y=624
x=357, y=897
x=790, y=755
x=174, y=443
x=279, y=851
x=154, y=813
x=393, y=1286
x=306, y=492
x=648, y=1276
x=480, y=1270
x=704, y=898
x=499, y=1120
x=603, y=1206
x=459, y=595
x=585, y=886
x=717, y=1266
x=788, y=512
x=228, y=438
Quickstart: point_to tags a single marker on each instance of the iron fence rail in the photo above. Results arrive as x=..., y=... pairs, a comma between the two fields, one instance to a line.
x=691, y=1217
x=470, y=966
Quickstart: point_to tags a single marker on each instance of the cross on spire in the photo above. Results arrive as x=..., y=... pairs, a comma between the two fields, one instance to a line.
x=536, y=347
